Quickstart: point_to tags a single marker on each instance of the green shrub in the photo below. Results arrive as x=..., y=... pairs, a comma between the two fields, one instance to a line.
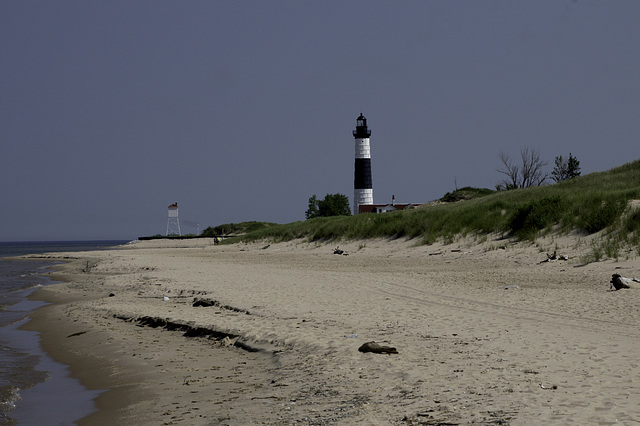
x=600, y=213
x=529, y=220
x=631, y=222
x=466, y=193
x=234, y=228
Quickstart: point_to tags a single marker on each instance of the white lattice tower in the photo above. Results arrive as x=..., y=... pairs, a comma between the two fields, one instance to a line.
x=173, y=223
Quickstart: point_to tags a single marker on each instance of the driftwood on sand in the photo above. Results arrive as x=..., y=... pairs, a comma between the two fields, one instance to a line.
x=338, y=251
x=618, y=282
x=377, y=349
x=555, y=256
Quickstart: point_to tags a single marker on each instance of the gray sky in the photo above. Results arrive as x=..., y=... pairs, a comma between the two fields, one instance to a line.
x=241, y=110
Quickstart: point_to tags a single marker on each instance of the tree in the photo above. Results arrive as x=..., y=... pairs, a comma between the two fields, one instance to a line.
x=331, y=205
x=565, y=168
x=313, y=210
x=530, y=172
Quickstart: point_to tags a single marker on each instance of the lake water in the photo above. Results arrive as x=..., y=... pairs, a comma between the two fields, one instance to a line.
x=34, y=389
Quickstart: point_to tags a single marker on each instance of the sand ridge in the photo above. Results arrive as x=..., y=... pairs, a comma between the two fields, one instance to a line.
x=484, y=334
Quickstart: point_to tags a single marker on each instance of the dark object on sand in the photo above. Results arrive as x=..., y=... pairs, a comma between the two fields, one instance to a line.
x=555, y=256
x=619, y=282
x=204, y=303
x=338, y=251
x=377, y=349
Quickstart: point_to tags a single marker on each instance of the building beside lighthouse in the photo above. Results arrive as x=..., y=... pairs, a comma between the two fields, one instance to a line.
x=362, y=182
x=390, y=207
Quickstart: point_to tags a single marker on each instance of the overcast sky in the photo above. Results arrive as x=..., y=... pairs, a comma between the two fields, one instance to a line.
x=241, y=110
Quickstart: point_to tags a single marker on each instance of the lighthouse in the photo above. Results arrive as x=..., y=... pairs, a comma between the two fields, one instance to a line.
x=362, y=185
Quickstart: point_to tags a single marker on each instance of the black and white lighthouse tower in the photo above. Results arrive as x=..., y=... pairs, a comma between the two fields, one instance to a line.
x=362, y=184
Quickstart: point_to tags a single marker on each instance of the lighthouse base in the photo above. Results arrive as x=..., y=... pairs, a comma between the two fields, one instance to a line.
x=362, y=197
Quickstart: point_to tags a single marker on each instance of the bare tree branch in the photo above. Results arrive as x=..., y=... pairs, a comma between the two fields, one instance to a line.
x=533, y=173
x=529, y=173
x=510, y=170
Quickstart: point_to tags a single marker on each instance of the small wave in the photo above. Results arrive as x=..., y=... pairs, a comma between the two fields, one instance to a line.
x=9, y=396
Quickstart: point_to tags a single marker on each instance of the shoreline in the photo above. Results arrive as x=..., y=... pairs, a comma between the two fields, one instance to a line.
x=35, y=388
x=130, y=387
x=55, y=329
x=482, y=334
x=62, y=398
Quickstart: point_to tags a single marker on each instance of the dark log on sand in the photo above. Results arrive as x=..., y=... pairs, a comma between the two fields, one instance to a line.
x=619, y=282
x=377, y=349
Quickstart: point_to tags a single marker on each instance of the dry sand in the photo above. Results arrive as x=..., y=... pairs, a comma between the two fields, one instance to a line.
x=484, y=334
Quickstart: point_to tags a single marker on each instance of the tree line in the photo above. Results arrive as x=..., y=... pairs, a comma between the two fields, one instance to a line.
x=330, y=205
x=530, y=170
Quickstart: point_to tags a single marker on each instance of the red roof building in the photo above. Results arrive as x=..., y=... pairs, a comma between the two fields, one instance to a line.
x=384, y=208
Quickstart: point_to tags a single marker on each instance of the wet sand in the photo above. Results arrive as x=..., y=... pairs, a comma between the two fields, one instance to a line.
x=484, y=334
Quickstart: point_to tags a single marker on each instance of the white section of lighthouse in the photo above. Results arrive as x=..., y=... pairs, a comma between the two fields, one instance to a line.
x=362, y=183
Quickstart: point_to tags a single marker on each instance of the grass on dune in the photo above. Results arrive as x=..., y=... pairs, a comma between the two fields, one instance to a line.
x=586, y=204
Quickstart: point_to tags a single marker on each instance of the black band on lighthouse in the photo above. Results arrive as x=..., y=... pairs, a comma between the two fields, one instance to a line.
x=362, y=175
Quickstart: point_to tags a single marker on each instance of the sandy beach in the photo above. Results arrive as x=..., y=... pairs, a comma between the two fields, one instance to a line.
x=486, y=333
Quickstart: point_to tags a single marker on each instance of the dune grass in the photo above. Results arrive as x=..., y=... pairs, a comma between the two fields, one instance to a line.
x=598, y=202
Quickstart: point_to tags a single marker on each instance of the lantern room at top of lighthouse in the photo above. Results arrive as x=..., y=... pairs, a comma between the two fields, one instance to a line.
x=361, y=130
